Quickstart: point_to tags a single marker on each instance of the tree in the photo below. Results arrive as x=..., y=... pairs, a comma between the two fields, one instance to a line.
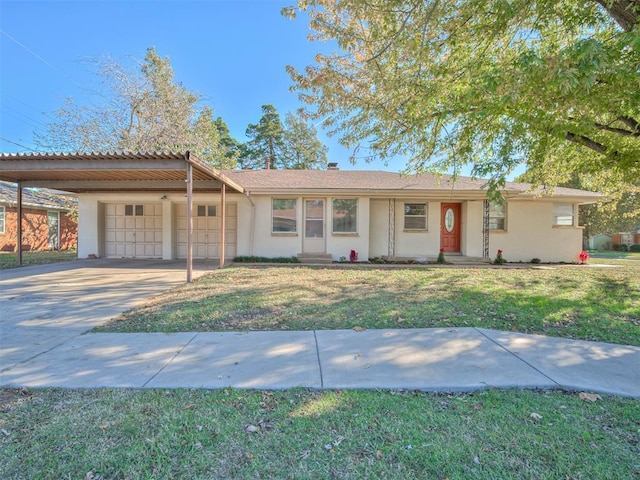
x=491, y=83
x=142, y=110
x=231, y=148
x=302, y=149
x=266, y=141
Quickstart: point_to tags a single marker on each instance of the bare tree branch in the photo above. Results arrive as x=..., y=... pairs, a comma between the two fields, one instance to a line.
x=586, y=142
x=620, y=131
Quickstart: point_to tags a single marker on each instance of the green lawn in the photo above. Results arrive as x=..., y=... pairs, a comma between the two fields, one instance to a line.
x=591, y=302
x=230, y=434
x=8, y=259
x=616, y=255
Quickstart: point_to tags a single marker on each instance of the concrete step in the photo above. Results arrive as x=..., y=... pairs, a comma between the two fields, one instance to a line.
x=315, y=258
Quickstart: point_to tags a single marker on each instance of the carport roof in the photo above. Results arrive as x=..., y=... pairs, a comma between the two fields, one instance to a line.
x=117, y=171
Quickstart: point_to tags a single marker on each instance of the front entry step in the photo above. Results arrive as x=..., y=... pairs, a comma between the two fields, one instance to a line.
x=315, y=258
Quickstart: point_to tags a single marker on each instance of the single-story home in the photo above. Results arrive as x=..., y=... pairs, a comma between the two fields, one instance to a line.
x=142, y=204
x=48, y=220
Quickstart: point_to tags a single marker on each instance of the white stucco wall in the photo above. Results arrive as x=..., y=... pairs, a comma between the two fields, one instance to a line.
x=530, y=234
x=246, y=213
x=269, y=244
x=472, y=235
x=89, y=220
x=340, y=245
x=421, y=245
x=266, y=243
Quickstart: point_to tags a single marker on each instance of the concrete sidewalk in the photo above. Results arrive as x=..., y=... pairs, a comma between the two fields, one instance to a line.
x=461, y=359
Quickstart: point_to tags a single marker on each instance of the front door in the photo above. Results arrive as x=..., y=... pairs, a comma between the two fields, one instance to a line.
x=313, y=239
x=450, y=227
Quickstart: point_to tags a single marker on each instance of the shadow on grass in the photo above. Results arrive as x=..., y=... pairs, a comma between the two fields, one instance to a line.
x=596, y=307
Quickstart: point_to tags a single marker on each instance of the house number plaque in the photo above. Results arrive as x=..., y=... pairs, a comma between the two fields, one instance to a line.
x=449, y=219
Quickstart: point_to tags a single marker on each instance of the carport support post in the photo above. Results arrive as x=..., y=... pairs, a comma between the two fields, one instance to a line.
x=189, y=222
x=223, y=240
x=19, y=225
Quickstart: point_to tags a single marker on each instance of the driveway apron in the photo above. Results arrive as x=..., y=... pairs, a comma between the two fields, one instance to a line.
x=42, y=307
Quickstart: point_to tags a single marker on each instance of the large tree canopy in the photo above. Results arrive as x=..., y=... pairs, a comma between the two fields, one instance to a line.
x=294, y=145
x=142, y=109
x=266, y=141
x=491, y=83
x=302, y=148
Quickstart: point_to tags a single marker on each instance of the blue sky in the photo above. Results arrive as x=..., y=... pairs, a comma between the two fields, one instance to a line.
x=234, y=53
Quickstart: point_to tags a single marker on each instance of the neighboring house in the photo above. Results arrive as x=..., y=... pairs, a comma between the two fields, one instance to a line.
x=602, y=241
x=136, y=205
x=46, y=220
x=627, y=238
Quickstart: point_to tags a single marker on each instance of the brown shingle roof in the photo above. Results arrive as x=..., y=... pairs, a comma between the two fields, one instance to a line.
x=42, y=198
x=367, y=180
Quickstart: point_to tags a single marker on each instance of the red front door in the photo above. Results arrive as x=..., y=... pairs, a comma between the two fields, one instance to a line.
x=450, y=227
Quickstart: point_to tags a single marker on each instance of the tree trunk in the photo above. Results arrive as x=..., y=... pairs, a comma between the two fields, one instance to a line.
x=626, y=13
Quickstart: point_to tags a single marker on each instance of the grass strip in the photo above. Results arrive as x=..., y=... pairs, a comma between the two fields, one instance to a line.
x=8, y=259
x=114, y=433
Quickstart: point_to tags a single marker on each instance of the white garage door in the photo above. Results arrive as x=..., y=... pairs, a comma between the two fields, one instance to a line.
x=206, y=230
x=133, y=230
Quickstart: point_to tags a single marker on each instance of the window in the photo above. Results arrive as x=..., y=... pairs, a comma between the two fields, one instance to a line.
x=53, y=224
x=2, y=220
x=415, y=216
x=497, y=216
x=284, y=215
x=563, y=214
x=344, y=215
x=129, y=210
x=206, y=210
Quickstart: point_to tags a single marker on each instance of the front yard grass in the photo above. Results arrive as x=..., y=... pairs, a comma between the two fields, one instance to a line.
x=593, y=302
x=8, y=259
x=128, y=434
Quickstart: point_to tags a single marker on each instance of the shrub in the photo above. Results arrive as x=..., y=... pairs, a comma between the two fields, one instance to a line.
x=254, y=259
x=379, y=260
x=535, y=260
x=635, y=247
x=499, y=260
x=441, y=258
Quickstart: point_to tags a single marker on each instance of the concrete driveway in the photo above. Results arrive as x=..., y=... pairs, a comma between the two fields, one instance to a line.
x=42, y=307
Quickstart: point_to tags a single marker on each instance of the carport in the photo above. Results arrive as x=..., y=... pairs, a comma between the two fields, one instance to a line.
x=119, y=172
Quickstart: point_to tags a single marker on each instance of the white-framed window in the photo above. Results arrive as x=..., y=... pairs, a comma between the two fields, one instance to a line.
x=563, y=214
x=344, y=215
x=415, y=216
x=2, y=219
x=497, y=216
x=284, y=215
